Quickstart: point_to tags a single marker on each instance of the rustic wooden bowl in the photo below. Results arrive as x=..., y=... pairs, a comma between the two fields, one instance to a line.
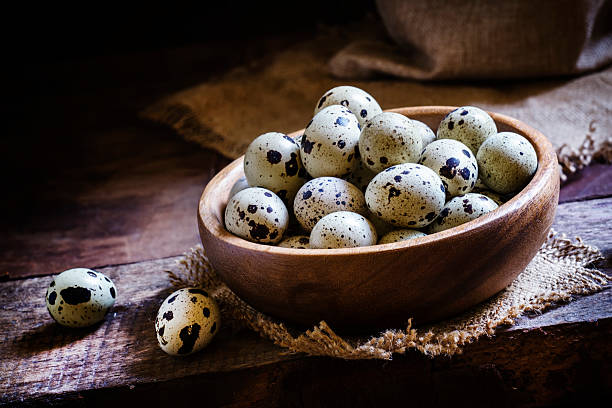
x=428, y=278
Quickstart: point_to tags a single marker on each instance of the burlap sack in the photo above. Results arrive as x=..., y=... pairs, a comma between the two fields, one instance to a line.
x=479, y=39
x=279, y=93
x=558, y=271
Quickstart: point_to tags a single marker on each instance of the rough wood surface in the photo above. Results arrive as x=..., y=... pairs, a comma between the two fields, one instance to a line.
x=42, y=361
x=594, y=181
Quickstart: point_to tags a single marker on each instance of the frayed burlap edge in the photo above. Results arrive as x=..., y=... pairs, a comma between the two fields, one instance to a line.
x=559, y=271
x=572, y=160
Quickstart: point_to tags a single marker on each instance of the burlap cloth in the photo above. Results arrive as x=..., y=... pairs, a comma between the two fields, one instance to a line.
x=278, y=93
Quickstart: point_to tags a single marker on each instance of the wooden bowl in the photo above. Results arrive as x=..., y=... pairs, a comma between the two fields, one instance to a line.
x=427, y=278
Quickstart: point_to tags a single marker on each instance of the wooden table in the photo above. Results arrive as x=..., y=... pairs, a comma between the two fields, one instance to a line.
x=105, y=190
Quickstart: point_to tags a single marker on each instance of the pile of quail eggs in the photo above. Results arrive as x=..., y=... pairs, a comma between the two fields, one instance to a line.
x=359, y=176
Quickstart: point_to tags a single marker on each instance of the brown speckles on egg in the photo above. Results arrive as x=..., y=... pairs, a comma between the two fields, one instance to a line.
x=448, y=158
x=462, y=209
x=362, y=104
x=406, y=202
x=469, y=125
x=342, y=229
x=327, y=194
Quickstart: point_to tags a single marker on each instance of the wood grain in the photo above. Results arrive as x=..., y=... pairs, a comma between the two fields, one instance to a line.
x=594, y=181
x=44, y=362
x=305, y=286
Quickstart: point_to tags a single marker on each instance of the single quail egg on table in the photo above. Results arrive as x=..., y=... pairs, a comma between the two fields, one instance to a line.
x=80, y=297
x=343, y=229
x=273, y=161
x=295, y=242
x=187, y=321
x=507, y=161
x=325, y=195
x=469, y=125
x=358, y=101
x=406, y=195
x=329, y=144
x=400, y=235
x=258, y=215
x=462, y=209
x=389, y=139
x=454, y=163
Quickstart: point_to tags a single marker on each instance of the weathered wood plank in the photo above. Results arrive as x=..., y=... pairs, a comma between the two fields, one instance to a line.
x=594, y=181
x=43, y=360
x=124, y=204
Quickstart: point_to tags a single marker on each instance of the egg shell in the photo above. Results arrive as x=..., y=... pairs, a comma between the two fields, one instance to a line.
x=389, y=139
x=382, y=227
x=239, y=185
x=273, y=161
x=361, y=103
x=454, y=163
x=187, y=321
x=329, y=144
x=80, y=297
x=361, y=177
x=427, y=135
x=325, y=195
x=462, y=209
x=400, y=235
x=343, y=229
x=406, y=195
x=507, y=161
x=258, y=215
x=295, y=242
x=469, y=125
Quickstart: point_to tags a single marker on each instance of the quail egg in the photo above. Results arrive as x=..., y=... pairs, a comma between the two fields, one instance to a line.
x=273, y=161
x=325, y=195
x=258, y=215
x=382, y=227
x=80, y=297
x=389, y=139
x=358, y=101
x=507, y=161
x=462, y=209
x=239, y=185
x=329, y=144
x=296, y=242
x=406, y=195
x=427, y=135
x=454, y=163
x=361, y=177
x=469, y=125
x=400, y=235
x=342, y=229
x=187, y=321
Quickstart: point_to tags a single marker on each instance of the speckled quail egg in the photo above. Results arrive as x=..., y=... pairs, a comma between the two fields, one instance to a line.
x=329, y=144
x=427, y=135
x=361, y=103
x=296, y=242
x=406, y=195
x=343, y=229
x=382, y=227
x=462, y=209
x=361, y=177
x=187, y=321
x=325, y=195
x=273, y=161
x=400, y=235
x=239, y=185
x=389, y=139
x=454, y=163
x=258, y=215
x=469, y=125
x=80, y=297
x=507, y=161
x=498, y=198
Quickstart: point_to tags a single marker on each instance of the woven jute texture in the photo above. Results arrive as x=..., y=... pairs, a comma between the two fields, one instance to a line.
x=559, y=271
x=279, y=93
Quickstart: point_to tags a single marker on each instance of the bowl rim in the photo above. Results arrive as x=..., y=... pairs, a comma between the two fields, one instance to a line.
x=546, y=163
